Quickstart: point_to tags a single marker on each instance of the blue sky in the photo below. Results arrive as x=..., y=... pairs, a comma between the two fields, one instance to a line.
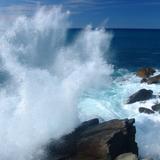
x=112, y=13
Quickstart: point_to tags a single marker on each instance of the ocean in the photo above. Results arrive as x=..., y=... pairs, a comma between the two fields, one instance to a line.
x=53, y=78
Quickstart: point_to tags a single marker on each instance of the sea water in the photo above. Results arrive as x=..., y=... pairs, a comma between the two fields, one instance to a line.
x=52, y=78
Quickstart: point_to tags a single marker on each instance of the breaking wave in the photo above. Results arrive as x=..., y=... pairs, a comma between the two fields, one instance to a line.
x=44, y=79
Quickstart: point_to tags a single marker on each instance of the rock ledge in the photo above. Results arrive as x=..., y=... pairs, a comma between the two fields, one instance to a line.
x=95, y=141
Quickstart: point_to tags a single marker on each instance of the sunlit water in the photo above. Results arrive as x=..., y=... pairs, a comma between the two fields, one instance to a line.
x=50, y=85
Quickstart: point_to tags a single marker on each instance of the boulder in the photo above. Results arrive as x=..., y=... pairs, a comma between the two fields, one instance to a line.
x=95, y=141
x=156, y=107
x=153, y=80
x=140, y=95
x=145, y=110
x=127, y=156
x=145, y=72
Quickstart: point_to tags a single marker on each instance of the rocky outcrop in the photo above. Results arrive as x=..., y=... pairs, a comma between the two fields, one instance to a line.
x=141, y=95
x=95, y=141
x=156, y=107
x=145, y=110
x=145, y=72
x=127, y=156
x=153, y=80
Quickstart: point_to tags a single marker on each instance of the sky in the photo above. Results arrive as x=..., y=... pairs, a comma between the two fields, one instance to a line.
x=108, y=13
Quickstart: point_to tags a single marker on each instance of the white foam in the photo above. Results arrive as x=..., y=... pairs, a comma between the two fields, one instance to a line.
x=111, y=103
x=47, y=78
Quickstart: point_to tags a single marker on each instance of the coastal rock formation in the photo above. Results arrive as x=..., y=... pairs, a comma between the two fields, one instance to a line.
x=95, y=141
x=156, y=107
x=155, y=79
x=140, y=95
x=127, y=156
x=145, y=72
x=145, y=110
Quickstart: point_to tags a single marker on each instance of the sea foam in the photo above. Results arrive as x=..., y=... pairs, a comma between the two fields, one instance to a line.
x=110, y=103
x=46, y=78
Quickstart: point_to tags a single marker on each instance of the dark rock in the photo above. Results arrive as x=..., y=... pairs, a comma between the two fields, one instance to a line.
x=156, y=107
x=155, y=79
x=87, y=124
x=144, y=80
x=66, y=145
x=145, y=110
x=94, y=141
x=141, y=95
x=145, y=72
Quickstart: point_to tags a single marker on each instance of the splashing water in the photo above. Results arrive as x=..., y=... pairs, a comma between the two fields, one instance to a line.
x=46, y=77
x=110, y=103
x=50, y=86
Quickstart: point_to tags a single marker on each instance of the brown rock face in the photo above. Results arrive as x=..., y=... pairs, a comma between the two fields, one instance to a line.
x=95, y=141
x=155, y=79
x=145, y=72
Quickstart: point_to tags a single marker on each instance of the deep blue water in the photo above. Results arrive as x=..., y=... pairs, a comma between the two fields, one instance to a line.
x=132, y=48
x=136, y=48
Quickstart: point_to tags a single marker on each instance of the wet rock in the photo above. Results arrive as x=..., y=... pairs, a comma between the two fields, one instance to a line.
x=144, y=80
x=140, y=95
x=95, y=141
x=145, y=110
x=156, y=107
x=127, y=156
x=154, y=80
x=145, y=72
x=66, y=145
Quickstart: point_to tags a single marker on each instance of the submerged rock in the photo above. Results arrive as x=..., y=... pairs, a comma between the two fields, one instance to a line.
x=145, y=72
x=127, y=156
x=140, y=95
x=153, y=80
x=95, y=141
x=145, y=110
x=156, y=107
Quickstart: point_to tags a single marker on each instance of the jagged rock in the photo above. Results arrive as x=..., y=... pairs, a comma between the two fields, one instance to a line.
x=95, y=141
x=153, y=80
x=145, y=72
x=127, y=156
x=66, y=145
x=156, y=107
x=145, y=110
x=140, y=95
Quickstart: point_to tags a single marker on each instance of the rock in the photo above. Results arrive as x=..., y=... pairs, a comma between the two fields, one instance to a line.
x=156, y=107
x=145, y=72
x=154, y=80
x=144, y=80
x=95, y=141
x=141, y=95
x=127, y=156
x=145, y=110
x=66, y=145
